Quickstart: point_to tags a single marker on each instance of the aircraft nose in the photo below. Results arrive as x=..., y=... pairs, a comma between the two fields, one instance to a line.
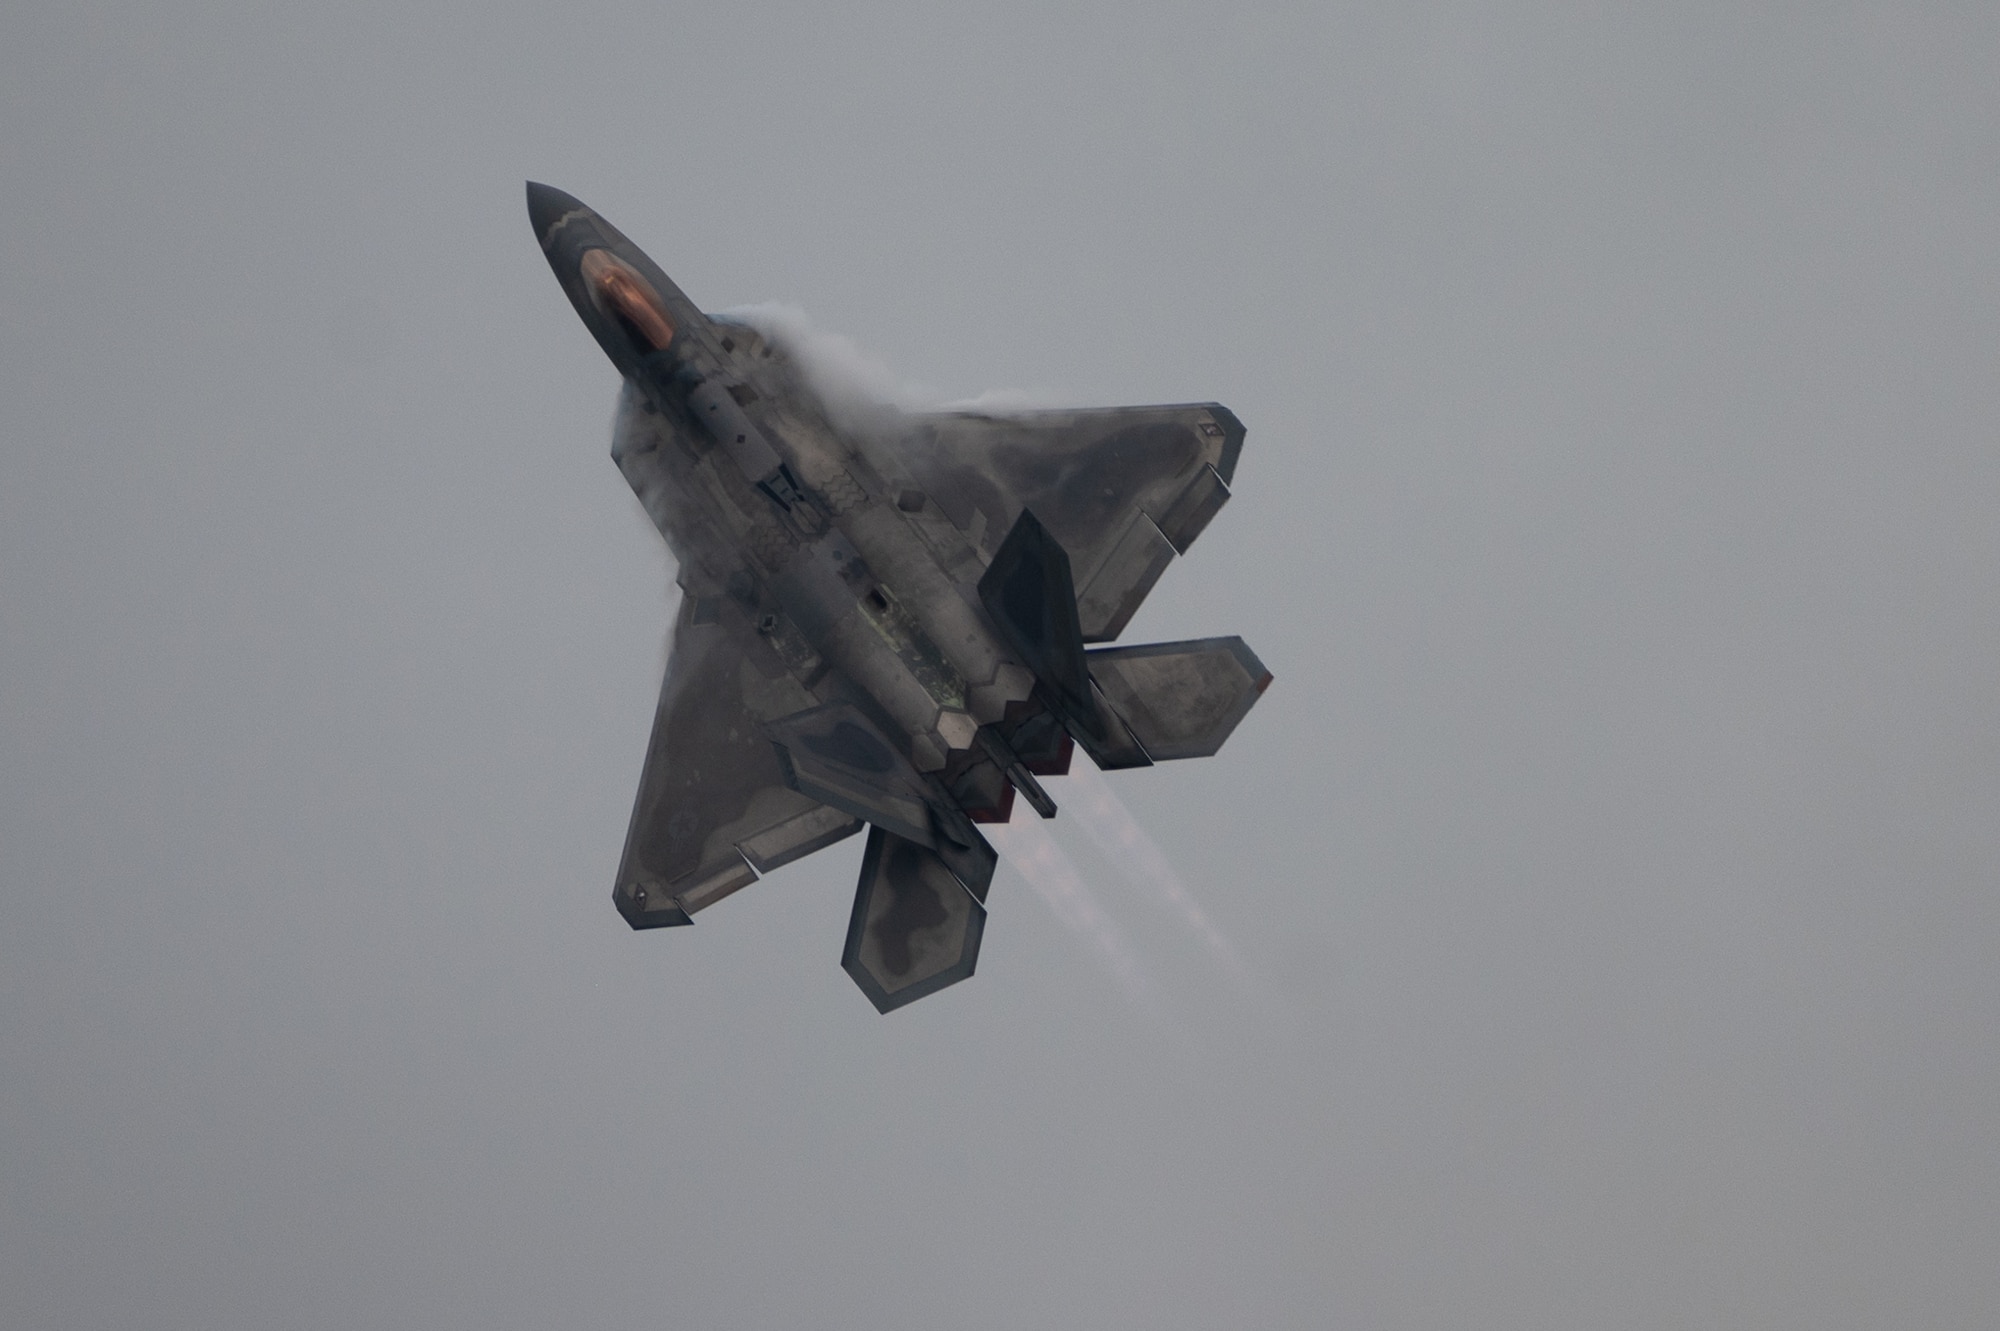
x=546, y=206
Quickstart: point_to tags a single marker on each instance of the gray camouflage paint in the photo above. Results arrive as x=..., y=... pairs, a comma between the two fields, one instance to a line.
x=883, y=624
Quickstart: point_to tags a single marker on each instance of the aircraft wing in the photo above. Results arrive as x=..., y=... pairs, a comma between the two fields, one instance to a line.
x=714, y=809
x=1123, y=489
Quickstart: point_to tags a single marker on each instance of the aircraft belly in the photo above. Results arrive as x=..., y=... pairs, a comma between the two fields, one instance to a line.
x=708, y=536
x=949, y=621
x=884, y=615
x=878, y=646
x=874, y=666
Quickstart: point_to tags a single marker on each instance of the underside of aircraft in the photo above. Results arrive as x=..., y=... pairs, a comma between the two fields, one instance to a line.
x=890, y=619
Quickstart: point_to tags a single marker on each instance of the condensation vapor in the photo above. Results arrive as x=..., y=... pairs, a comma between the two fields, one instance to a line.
x=1028, y=846
x=1107, y=822
x=855, y=384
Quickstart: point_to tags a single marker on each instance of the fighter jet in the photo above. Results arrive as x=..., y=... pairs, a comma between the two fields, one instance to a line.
x=885, y=622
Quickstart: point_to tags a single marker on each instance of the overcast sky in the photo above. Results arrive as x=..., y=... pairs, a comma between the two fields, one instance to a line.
x=1612, y=865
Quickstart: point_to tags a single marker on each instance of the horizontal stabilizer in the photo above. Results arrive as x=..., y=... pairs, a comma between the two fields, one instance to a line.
x=1180, y=699
x=915, y=928
x=967, y=854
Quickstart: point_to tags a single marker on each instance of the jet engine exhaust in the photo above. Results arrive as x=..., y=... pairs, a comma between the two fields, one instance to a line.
x=1104, y=817
x=1030, y=848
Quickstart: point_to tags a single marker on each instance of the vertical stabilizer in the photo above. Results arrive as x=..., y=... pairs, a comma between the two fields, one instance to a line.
x=1032, y=598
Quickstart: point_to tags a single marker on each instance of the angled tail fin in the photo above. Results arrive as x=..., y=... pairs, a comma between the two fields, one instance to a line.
x=1127, y=706
x=1180, y=699
x=915, y=927
x=1032, y=598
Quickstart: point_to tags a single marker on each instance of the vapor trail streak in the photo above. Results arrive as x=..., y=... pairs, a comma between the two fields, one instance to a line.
x=1028, y=846
x=1104, y=817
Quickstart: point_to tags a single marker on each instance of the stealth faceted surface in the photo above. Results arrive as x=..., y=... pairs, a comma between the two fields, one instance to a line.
x=1181, y=699
x=829, y=666
x=1608, y=878
x=915, y=928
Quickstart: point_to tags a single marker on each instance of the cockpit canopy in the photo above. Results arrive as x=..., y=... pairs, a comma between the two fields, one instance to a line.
x=627, y=297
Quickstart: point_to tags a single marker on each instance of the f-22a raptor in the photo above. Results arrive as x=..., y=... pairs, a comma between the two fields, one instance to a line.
x=885, y=624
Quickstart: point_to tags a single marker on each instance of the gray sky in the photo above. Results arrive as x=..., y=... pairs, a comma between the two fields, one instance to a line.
x=1614, y=859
